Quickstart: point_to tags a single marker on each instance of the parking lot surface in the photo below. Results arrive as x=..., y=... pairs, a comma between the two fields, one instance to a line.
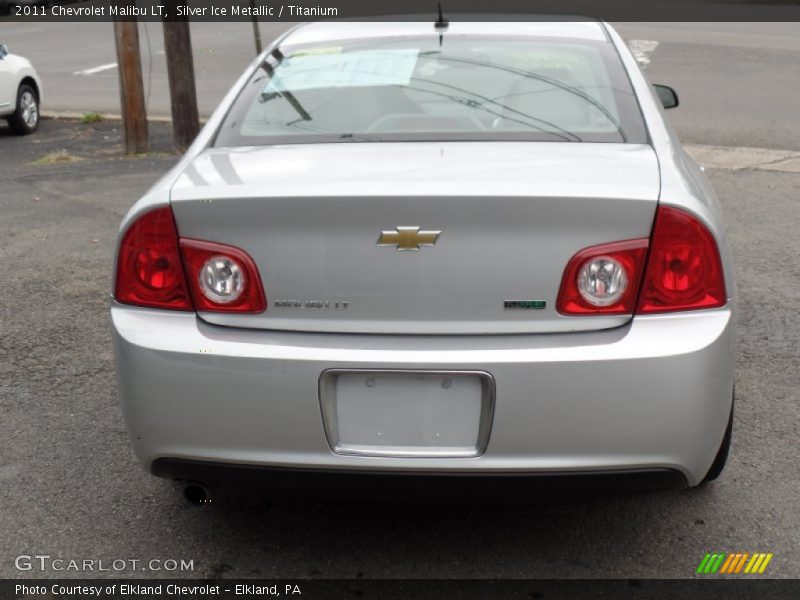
x=71, y=488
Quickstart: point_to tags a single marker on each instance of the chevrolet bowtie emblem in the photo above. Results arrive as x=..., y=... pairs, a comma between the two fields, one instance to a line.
x=408, y=238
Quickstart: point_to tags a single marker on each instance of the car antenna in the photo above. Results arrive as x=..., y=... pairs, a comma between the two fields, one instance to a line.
x=441, y=25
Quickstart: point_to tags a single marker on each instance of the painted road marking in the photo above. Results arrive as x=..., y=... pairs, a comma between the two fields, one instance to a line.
x=97, y=69
x=641, y=50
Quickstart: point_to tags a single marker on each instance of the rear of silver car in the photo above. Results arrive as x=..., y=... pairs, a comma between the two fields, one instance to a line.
x=651, y=394
x=412, y=306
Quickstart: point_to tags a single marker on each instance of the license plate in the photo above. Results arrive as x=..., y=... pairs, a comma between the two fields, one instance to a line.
x=407, y=413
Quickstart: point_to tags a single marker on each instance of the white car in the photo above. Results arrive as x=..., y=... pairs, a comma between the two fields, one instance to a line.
x=20, y=92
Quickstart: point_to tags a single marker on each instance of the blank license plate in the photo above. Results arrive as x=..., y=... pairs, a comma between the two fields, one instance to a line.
x=409, y=413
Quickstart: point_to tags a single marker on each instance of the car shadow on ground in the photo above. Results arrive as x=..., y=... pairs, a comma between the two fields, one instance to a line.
x=371, y=538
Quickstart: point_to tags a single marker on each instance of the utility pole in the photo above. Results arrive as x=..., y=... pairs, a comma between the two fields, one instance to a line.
x=256, y=30
x=131, y=87
x=180, y=69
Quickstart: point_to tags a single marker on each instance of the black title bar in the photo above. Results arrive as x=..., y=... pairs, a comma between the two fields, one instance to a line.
x=389, y=589
x=399, y=10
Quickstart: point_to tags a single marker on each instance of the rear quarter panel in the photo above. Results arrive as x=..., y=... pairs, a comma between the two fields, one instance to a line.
x=683, y=183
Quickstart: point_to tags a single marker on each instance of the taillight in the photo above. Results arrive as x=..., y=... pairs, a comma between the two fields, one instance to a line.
x=158, y=269
x=222, y=278
x=603, y=279
x=149, y=271
x=684, y=270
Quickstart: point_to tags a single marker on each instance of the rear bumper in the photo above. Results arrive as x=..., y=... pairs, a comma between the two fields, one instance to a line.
x=422, y=486
x=652, y=395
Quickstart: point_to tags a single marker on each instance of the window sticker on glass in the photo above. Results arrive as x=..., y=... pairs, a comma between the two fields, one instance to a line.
x=318, y=51
x=351, y=69
x=549, y=60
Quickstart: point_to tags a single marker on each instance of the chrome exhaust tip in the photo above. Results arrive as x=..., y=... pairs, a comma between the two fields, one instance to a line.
x=197, y=494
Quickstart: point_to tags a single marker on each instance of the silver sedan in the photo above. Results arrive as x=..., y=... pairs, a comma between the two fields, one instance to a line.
x=429, y=249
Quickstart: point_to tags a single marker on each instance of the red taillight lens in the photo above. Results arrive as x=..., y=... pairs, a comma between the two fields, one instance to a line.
x=222, y=278
x=684, y=270
x=149, y=271
x=603, y=279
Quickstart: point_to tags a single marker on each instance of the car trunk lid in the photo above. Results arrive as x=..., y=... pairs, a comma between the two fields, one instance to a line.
x=328, y=226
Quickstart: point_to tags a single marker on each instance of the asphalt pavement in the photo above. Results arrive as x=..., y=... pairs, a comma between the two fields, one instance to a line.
x=71, y=488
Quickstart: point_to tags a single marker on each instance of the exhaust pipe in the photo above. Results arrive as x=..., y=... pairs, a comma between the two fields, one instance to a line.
x=197, y=494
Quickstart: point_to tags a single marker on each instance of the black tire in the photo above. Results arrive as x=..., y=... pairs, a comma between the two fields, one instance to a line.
x=25, y=119
x=722, y=454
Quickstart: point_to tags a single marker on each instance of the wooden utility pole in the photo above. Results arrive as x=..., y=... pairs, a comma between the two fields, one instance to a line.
x=256, y=30
x=131, y=87
x=180, y=69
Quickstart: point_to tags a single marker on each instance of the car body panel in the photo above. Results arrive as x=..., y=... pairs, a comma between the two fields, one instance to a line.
x=683, y=184
x=229, y=395
x=324, y=32
x=423, y=168
x=494, y=203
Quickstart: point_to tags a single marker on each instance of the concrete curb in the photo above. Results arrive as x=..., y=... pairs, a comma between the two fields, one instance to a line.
x=77, y=116
x=737, y=158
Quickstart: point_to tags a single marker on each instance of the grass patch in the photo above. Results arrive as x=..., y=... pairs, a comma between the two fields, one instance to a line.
x=62, y=156
x=151, y=154
x=92, y=117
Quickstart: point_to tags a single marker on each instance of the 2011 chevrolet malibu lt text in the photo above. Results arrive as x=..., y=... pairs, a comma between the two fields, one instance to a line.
x=463, y=250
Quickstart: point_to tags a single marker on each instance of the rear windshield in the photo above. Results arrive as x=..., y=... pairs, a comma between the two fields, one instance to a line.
x=427, y=89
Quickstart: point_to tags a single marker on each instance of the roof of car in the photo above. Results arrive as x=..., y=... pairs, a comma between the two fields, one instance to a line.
x=325, y=31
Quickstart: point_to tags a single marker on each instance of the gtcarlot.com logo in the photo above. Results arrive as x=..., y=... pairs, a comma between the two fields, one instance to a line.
x=45, y=562
x=732, y=563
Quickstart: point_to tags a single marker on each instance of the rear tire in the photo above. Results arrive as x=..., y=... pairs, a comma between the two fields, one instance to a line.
x=25, y=119
x=722, y=454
